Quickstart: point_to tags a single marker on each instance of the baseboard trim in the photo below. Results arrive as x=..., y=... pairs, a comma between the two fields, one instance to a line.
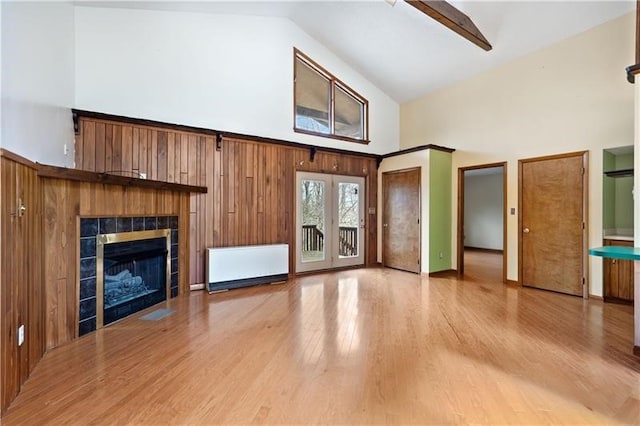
x=448, y=273
x=486, y=250
x=512, y=283
x=636, y=350
x=617, y=301
x=595, y=297
x=196, y=287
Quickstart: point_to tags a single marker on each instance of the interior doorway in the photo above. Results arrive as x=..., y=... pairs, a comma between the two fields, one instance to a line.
x=330, y=221
x=482, y=218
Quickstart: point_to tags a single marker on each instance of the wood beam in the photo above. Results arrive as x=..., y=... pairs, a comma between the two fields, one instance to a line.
x=453, y=19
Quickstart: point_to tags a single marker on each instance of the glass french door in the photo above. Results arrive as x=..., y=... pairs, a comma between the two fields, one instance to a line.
x=330, y=221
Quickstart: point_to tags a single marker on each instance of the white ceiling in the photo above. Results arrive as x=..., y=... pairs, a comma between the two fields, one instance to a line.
x=405, y=53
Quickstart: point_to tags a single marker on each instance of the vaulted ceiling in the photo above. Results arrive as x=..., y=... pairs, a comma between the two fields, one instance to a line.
x=407, y=54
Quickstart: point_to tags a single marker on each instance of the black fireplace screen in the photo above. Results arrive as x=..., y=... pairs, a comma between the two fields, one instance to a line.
x=135, y=276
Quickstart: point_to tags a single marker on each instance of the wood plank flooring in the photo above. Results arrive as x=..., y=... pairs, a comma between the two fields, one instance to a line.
x=358, y=346
x=482, y=265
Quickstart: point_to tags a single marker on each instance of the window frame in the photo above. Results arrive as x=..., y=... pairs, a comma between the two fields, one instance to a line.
x=333, y=82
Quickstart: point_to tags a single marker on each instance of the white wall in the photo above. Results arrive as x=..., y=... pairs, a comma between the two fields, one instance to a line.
x=224, y=72
x=38, y=80
x=567, y=97
x=483, y=211
x=409, y=161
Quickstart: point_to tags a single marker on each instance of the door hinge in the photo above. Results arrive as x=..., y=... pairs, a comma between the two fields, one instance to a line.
x=583, y=171
x=583, y=281
x=583, y=225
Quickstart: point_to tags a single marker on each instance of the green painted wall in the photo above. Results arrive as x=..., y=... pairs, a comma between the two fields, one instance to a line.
x=439, y=211
x=624, y=198
x=624, y=203
x=617, y=198
x=608, y=191
x=624, y=161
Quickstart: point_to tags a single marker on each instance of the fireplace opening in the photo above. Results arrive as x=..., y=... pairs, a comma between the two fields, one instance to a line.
x=133, y=272
x=135, y=277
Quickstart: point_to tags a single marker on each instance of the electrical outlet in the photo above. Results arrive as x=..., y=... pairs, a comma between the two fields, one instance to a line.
x=441, y=255
x=65, y=149
x=21, y=335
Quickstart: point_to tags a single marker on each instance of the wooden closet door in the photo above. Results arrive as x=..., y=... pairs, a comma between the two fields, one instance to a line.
x=401, y=220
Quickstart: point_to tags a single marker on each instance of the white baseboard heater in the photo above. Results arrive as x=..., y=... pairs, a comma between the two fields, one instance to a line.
x=234, y=267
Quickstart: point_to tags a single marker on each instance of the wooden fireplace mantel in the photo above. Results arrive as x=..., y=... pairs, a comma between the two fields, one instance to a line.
x=55, y=172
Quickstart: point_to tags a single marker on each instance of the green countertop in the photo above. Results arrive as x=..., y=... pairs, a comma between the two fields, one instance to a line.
x=616, y=252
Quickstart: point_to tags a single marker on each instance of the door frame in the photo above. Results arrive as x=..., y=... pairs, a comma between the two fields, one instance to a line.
x=585, y=213
x=460, y=233
x=383, y=213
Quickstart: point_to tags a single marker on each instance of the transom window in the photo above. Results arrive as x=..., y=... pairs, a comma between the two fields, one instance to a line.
x=325, y=106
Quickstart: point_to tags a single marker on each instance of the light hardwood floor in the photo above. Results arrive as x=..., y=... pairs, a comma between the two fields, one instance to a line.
x=482, y=266
x=359, y=346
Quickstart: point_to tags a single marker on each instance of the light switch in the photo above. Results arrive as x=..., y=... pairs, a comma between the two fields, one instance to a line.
x=513, y=211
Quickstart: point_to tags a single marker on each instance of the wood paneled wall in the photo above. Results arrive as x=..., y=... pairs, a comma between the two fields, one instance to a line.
x=256, y=203
x=64, y=201
x=251, y=183
x=159, y=154
x=22, y=287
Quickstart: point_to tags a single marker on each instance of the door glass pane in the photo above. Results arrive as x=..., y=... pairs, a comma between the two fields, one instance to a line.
x=349, y=219
x=312, y=196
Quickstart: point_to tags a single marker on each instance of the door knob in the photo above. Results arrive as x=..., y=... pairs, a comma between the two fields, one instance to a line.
x=385, y=225
x=525, y=230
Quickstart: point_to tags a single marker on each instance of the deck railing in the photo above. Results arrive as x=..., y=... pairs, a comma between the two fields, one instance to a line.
x=348, y=239
x=313, y=239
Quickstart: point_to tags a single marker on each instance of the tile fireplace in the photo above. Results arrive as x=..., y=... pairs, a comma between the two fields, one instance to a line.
x=126, y=265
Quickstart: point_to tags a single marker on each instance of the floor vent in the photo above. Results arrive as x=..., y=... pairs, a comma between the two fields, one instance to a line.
x=157, y=314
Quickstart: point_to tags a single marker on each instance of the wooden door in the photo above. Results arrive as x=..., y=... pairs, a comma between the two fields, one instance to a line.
x=401, y=220
x=552, y=228
x=618, y=276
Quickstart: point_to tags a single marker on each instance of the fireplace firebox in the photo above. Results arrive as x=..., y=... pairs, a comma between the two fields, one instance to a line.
x=133, y=272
